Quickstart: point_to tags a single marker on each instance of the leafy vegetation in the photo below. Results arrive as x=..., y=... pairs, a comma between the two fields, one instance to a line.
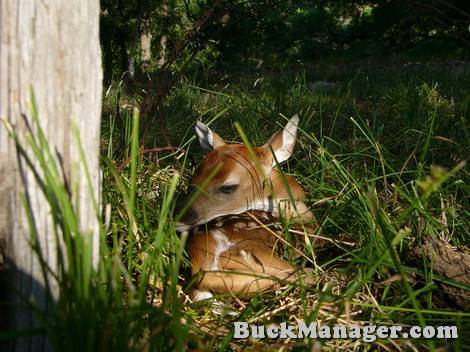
x=381, y=155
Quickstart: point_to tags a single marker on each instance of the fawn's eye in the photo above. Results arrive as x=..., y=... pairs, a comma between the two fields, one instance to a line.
x=228, y=189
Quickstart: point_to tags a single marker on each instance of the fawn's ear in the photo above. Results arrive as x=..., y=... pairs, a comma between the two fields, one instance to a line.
x=208, y=139
x=282, y=142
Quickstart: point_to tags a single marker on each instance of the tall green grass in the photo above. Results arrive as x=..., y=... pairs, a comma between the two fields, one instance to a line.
x=380, y=159
x=113, y=307
x=383, y=161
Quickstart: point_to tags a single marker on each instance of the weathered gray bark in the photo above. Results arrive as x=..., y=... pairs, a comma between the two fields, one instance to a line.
x=163, y=39
x=51, y=46
x=162, y=51
x=145, y=47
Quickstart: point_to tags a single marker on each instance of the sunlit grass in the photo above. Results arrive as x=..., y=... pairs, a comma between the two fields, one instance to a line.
x=361, y=154
x=366, y=155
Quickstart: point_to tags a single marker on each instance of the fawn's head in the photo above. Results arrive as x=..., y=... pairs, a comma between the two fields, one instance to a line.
x=231, y=180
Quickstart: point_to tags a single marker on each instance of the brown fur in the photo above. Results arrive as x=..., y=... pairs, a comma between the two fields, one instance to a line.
x=233, y=253
x=259, y=268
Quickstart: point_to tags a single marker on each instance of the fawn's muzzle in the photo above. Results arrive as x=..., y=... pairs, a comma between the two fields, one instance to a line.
x=187, y=215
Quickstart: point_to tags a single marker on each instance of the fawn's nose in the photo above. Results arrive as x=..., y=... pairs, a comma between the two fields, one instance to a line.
x=189, y=216
x=186, y=214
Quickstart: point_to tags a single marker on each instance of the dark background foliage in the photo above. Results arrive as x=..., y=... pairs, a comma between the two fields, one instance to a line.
x=233, y=34
x=210, y=38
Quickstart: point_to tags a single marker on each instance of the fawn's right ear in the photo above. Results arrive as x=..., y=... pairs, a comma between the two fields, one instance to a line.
x=208, y=139
x=282, y=143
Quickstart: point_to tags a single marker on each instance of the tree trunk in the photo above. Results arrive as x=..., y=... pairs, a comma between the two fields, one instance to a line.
x=163, y=39
x=52, y=48
x=162, y=51
x=145, y=47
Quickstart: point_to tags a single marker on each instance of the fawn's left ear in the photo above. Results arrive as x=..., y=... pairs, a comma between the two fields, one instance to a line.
x=208, y=139
x=282, y=142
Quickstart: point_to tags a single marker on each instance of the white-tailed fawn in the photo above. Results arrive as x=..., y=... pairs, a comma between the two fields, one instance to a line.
x=234, y=192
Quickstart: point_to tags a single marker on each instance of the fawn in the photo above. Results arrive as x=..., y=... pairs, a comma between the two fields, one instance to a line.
x=230, y=189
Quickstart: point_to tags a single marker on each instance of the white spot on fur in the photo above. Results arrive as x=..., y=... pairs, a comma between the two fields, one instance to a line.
x=247, y=257
x=222, y=243
x=264, y=216
x=239, y=225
